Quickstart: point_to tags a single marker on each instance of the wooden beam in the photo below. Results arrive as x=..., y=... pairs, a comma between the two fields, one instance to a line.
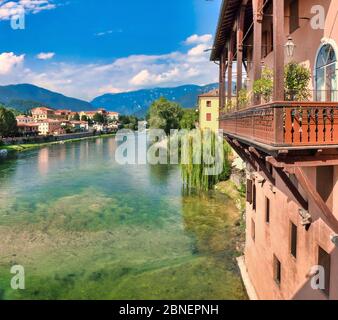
x=292, y=188
x=257, y=6
x=306, y=184
x=257, y=157
x=222, y=71
x=278, y=49
x=230, y=63
x=278, y=79
x=237, y=147
x=305, y=161
x=240, y=34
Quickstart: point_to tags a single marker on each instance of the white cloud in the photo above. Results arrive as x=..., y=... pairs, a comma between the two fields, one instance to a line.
x=9, y=61
x=109, y=89
x=45, y=55
x=198, y=50
x=9, y=9
x=196, y=39
x=104, y=33
x=88, y=80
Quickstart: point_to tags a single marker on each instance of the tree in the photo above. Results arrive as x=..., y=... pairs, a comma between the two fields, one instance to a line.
x=99, y=118
x=189, y=119
x=76, y=117
x=8, y=124
x=164, y=114
x=129, y=122
x=84, y=118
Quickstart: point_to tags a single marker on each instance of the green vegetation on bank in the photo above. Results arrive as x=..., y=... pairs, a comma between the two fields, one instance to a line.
x=129, y=122
x=8, y=125
x=204, y=176
x=29, y=146
x=168, y=115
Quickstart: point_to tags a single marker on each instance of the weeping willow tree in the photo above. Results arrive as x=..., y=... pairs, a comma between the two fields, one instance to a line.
x=204, y=160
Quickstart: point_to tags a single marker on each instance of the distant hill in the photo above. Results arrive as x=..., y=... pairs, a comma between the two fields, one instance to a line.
x=26, y=96
x=138, y=102
x=23, y=97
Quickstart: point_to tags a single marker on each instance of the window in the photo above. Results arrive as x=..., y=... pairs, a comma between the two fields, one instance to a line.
x=208, y=116
x=254, y=197
x=208, y=104
x=277, y=270
x=253, y=230
x=249, y=191
x=324, y=260
x=267, y=210
x=294, y=15
x=293, y=240
x=326, y=74
x=270, y=168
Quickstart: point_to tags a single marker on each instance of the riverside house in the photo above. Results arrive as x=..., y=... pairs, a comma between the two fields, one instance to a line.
x=290, y=144
x=27, y=126
x=208, y=105
x=43, y=113
x=50, y=127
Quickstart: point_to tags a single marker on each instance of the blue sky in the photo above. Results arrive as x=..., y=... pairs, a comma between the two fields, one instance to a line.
x=84, y=48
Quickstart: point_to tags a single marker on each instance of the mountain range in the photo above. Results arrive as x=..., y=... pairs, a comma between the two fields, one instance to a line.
x=138, y=102
x=23, y=97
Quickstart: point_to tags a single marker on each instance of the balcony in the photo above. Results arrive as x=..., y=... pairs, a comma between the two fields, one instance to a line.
x=288, y=125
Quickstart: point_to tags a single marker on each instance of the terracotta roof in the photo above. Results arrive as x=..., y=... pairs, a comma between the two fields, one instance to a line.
x=28, y=124
x=24, y=117
x=89, y=112
x=78, y=122
x=212, y=93
x=42, y=109
x=49, y=121
x=63, y=111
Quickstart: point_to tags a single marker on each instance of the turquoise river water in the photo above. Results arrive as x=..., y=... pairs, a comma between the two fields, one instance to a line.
x=84, y=227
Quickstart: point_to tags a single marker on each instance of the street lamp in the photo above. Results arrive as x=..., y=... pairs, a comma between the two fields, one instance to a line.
x=290, y=47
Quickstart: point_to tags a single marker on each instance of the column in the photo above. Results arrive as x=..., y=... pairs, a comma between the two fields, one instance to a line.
x=257, y=43
x=240, y=34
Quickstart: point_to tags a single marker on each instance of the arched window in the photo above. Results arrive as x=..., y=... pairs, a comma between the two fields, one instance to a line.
x=326, y=74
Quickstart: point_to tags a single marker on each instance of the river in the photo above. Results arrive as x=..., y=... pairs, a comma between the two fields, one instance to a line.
x=84, y=227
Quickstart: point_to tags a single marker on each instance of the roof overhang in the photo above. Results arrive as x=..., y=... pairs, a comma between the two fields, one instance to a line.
x=226, y=20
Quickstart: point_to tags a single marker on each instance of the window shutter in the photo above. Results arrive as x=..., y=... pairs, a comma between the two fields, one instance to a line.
x=324, y=260
x=249, y=191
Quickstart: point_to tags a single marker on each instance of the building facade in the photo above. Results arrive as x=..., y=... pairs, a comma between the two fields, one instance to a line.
x=208, y=105
x=27, y=125
x=50, y=127
x=28, y=129
x=290, y=145
x=22, y=119
x=43, y=113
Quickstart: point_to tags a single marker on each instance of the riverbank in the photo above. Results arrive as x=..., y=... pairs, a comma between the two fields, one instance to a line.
x=237, y=195
x=30, y=146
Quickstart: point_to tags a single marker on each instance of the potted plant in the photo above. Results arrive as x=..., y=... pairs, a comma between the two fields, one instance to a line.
x=243, y=98
x=263, y=87
x=297, y=79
